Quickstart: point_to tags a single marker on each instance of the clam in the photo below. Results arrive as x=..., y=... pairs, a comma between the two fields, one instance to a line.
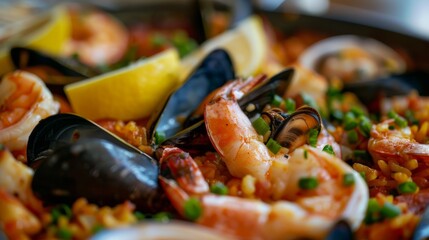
x=213, y=72
x=52, y=70
x=74, y=158
x=352, y=58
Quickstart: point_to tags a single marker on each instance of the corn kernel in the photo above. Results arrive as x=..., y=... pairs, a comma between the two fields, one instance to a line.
x=411, y=164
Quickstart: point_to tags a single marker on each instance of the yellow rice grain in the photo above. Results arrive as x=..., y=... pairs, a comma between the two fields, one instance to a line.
x=411, y=164
x=383, y=167
x=400, y=177
x=79, y=205
x=382, y=183
x=248, y=186
x=370, y=174
x=422, y=132
x=394, y=167
x=234, y=187
x=414, y=129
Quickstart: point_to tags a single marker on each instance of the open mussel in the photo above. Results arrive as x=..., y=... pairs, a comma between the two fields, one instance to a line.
x=213, y=72
x=194, y=139
x=73, y=157
x=352, y=58
x=291, y=130
x=52, y=70
x=254, y=102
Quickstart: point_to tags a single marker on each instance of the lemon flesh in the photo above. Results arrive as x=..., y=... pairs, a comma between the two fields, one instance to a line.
x=49, y=38
x=129, y=93
x=246, y=44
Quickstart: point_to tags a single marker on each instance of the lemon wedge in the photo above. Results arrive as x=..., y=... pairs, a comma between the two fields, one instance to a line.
x=128, y=93
x=246, y=44
x=49, y=37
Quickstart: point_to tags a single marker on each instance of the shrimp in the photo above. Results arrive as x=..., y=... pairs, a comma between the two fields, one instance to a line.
x=97, y=38
x=304, y=215
x=15, y=219
x=395, y=144
x=24, y=101
x=15, y=179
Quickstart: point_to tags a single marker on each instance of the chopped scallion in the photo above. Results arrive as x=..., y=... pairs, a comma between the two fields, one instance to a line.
x=140, y=216
x=219, y=188
x=328, y=148
x=277, y=101
x=290, y=105
x=308, y=183
x=400, y=121
x=162, y=217
x=357, y=111
x=365, y=126
x=372, y=212
x=305, y=153
x=407, y=187
x=261, y=126
x=389, y=210
x=193, y=209
x=313, y=134
x=348, y=179
x=159, y=137
x=63, y=233
x=352, y=136
x=61, y=210
x=273, y=146
x=350, y=121
x=409, y=115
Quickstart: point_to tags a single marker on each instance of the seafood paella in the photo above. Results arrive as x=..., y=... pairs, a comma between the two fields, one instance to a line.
x=141, y=132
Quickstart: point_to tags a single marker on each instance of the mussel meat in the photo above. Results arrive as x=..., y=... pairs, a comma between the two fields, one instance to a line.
x=214, y=71
x=99, y=171
x=291, y=130
x=52, y=70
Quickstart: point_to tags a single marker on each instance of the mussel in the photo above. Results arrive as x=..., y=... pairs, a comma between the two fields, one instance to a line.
x=422, y=230
x=340, y=231
x=291, y=130
x=400, y=84
x=352, y=58
x=52, y=70
x=194, y=138
x=213, y=72
x=100, y=171
x=73, y=157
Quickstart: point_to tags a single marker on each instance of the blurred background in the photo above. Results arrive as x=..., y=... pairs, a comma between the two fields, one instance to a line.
x=409, y=17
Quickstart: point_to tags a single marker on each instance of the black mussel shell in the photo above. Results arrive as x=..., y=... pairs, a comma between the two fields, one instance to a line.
x=340, y=231
x=2, y=235
x=63, y=129
x=70, y=70
x=401, y=84
x=293, y=131
x=99, y=171
x=214, y=71
x=264, y=93
x=422, y=230
x=193, y=140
